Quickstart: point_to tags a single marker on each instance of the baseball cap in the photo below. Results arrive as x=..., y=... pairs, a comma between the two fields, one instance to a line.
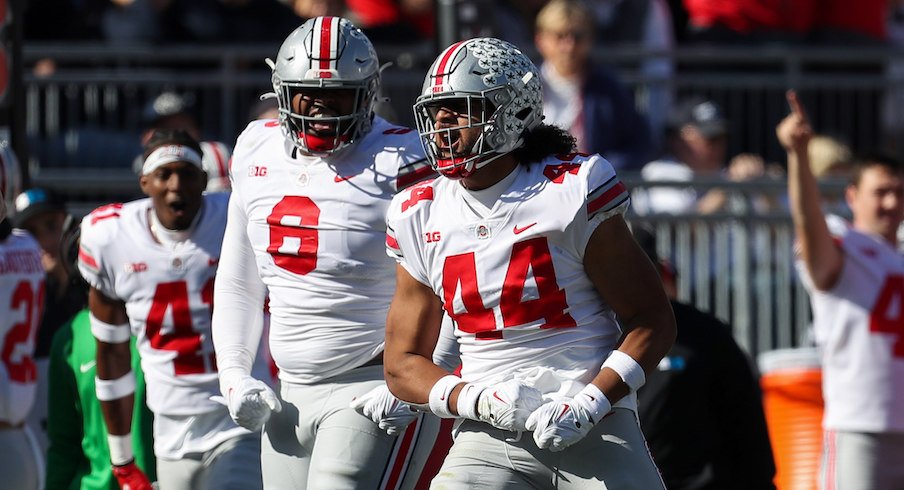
x=35, y=201
x=704, y=114
x=167, y=104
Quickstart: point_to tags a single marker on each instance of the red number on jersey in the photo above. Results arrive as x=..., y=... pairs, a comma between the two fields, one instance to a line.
x=887, y=316
x=556, y=173
x=293, y=234
x=184, y=340
x=533, y=254
x=21, y=365
x=419, y=193
x=105, y=212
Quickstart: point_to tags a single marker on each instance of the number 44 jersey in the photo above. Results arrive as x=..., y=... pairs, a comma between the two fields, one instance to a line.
x=168, y=293
x=512, y=278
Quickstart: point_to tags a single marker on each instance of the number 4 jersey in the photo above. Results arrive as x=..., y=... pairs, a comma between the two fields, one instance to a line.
x=513, y=278
x=859, y=327
x=21, y=305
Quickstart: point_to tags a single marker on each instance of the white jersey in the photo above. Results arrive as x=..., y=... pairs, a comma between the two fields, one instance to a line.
x=21, y=306
x=859, y=327
x=168, y=295
x=315, y=229
x=513, y=281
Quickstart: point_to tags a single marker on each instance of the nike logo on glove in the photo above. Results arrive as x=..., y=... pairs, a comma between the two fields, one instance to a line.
x=518, y=231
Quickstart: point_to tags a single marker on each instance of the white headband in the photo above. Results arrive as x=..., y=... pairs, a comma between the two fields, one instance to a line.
x=169, y=154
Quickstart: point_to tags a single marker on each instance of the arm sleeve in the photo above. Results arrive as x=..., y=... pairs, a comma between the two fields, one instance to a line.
x=238, y=296
x=447, y=354
x=64, y=421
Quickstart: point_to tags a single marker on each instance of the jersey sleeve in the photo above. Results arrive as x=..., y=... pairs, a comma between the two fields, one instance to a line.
x=413, y=165
x=402, y=230
x=98, y=232
x=238, y=295
x=602, y=195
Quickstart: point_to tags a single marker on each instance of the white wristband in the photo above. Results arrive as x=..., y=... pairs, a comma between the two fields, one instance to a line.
x=627, y=368
x=113, y=389
x=439, y=396
x=594, y=401
x=467, y=401
x=120, y=449
x=109, y=333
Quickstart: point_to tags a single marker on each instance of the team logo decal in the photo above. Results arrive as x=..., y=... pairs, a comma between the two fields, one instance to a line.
x=483, y=232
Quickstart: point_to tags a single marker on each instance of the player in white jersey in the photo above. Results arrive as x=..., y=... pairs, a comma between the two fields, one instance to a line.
x=855, y=276
x=525, y=248
x=21, y=305
x=151, y=264
x=307, y=225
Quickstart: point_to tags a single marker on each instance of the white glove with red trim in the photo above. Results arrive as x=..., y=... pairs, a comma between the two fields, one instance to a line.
x=559, y=424
x=387, y=411
x=505, y=405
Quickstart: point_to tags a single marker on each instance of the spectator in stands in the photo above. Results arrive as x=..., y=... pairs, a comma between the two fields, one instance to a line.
x=42, y=213
x=398, y=21
x=79, y=455
x=646, y=24
x=170, y=110
x=853, y=272
x=750, y=21
x=830, y=160
x=697, y=148
x=583, y=97
x=701, y=409
x=514, y=20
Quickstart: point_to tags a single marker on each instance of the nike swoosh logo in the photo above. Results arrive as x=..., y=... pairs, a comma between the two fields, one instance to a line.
x=84, y=368
x=496, y=396
x=564, y=409
x=340, y=178
x=518, y=231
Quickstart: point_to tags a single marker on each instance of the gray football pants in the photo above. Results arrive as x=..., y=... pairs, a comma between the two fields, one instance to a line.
x=613, y=455
x=233, y=464
x=862, y=461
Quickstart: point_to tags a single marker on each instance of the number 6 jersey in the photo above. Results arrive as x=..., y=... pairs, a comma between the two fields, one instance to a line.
x=312, y=230
x=512, y=278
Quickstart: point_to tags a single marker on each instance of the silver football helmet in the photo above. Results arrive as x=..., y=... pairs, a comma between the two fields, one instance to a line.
x=497, y=84
x=326, y=53
x=10, y=179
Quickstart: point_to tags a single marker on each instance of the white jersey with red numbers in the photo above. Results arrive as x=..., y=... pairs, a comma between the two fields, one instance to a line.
x=514, y=281
x=859, y=327
x=316, y=229
x=21, y=306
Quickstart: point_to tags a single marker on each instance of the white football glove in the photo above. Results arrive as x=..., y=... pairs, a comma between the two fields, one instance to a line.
x=503, y=405
x=387, y=411
x=250, y=401
x=559, y=424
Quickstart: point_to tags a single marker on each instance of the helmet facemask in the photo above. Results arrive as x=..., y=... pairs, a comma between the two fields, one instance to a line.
x=324, y=134
x=438, y=137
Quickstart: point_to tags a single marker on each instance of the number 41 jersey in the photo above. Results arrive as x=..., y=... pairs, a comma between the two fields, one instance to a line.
x=168, y=293
x=513, y=280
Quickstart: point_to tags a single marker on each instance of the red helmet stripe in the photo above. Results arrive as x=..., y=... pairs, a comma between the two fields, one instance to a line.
x=446, y=57
x=328, y=34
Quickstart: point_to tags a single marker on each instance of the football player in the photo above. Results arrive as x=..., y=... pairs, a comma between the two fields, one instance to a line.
x=524, y=246
x=306, y=224
x=21, y=305
x=855, y=276
x=151, y=264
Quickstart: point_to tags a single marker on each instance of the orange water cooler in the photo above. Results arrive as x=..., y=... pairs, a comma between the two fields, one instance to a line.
x=792, y=397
